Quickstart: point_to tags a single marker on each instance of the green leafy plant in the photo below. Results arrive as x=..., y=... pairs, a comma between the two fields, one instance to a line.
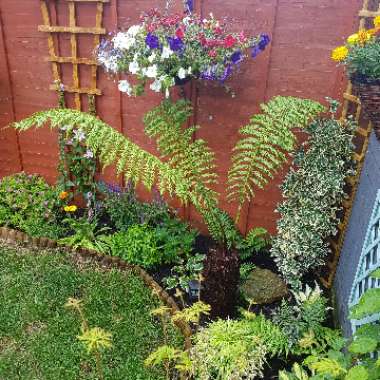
x=149, y=247
x=313, y=192
x=85, y=234
x=187, y=269
x=302, y=322
x=28, y=203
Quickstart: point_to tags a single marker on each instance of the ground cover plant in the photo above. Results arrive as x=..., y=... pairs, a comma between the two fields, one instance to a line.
x=39, y=336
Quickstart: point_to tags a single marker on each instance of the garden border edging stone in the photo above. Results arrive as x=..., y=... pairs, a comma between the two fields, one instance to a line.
x=12, y=236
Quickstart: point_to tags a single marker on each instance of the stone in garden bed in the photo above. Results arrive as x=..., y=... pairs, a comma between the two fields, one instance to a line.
x=264, y=287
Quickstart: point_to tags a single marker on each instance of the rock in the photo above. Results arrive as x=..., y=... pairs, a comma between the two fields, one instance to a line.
x=264, y=287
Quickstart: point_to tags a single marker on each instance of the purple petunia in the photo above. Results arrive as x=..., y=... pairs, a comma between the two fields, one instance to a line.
x=189, y=6
x=261, y=45
x=175, y=43
x=226, y=74
x=236, y=57
x=152, y=41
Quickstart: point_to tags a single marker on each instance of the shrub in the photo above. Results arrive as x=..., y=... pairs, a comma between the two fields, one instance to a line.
x=313, y=191
x=125, y=210
x=228, y=350
x=27, y=202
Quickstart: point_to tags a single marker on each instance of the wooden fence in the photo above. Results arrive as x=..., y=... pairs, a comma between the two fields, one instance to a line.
x=297, y=63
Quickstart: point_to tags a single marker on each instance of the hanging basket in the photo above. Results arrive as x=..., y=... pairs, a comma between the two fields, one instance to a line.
x=369, y=94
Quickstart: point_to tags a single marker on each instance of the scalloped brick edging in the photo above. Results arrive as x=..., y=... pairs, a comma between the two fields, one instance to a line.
x=14, y=236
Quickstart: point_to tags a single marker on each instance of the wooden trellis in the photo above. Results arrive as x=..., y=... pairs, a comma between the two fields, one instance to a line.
x=73, y=29
x=352, y=106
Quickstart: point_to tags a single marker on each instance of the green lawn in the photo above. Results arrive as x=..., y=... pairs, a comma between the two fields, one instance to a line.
x=38, y=335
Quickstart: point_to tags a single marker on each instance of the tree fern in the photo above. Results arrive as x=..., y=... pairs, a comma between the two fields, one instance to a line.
x=261, y=152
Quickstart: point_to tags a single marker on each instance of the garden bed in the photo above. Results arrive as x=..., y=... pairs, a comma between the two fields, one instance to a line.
x=38, y=336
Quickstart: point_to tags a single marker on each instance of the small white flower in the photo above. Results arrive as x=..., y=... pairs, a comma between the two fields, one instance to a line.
x=186, y=20
x=79, y=135
x=151, y=71
x=123, y=41
x=89, y=154
x=156, y=85
x=134, y=67
x=189, y=71
x=182, y=73
x=166, y=52
x=134, y=30
x=124, y=86
x=152, y=57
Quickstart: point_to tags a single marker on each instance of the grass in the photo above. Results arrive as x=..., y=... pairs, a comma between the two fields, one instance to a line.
x=38, y=336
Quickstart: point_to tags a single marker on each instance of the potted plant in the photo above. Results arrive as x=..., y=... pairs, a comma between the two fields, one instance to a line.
x=171, y=49
x=361, y=56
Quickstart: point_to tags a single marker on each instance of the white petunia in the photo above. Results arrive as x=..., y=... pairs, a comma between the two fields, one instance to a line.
x=166, y=52
x=186, y=20
x=123, y=41
x=189, y=71
x=134, y=30
x=151, y=71
x=156, y=85
x=182, y=73
x=134, y=67
x=152, y=57
x=124, y=86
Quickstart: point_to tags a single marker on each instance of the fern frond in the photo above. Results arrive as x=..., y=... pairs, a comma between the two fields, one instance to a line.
x=261, y=151
x=111, y=147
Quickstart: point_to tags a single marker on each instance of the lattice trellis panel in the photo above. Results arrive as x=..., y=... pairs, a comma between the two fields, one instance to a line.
x=369, y=261
x=352, y=106
x=73, y=29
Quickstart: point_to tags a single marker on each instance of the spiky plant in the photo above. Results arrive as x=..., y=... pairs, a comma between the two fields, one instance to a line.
x=186, y=168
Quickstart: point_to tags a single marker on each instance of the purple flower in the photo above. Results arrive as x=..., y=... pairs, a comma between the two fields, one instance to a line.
x=236, y=57
x=264, y=41
x=209, y=74
x=261, y=45
x=189, y=6
x=175, y=43
x=152, y=41
x=226, y=74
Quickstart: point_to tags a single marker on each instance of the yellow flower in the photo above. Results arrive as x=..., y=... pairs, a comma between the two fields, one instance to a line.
x=364, y=36
x=71, y=208
x=339, y=54
x=353, y=39
x=96, y=339
x=63, y=195
x=376, y=21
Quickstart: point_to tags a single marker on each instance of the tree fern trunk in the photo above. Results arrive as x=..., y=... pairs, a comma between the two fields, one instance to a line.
x=221, y=281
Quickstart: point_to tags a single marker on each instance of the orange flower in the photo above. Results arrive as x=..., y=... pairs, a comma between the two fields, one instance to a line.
x=63, y=195
x=71, y=208
x=363, y=36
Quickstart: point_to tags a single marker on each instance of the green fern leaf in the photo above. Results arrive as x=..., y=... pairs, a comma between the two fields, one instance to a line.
x=260, y=153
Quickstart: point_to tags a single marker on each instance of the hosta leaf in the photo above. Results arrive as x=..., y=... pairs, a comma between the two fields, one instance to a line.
x=357, y=373
x=368, y=304
x=363, y=345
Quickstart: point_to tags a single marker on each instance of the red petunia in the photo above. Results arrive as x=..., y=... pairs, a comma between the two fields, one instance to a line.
x=229, y=41
x=179, y=33
x=218, y=30
x=212, y=53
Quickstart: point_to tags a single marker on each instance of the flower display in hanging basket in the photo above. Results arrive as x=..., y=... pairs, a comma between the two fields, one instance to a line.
x=165, y=50
x=361, y=56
